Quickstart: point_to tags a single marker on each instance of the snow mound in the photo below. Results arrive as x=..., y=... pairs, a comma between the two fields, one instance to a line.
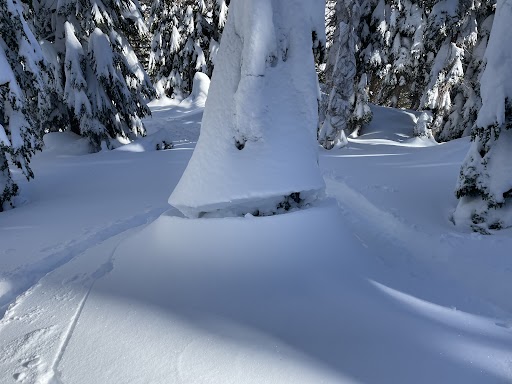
x=66, y=143
x=197, y=97
x=164, y=101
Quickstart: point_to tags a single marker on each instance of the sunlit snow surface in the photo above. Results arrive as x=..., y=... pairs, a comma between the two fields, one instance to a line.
x=106, y=283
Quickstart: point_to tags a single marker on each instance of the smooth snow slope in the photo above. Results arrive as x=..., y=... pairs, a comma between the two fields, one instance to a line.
x=376, y=286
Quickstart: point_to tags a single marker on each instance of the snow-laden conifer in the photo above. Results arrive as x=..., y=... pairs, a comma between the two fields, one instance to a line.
x=345, y=109
x=455, y=34
x=391, y=34
x=472, y=33
x=23, y=103
x=484, y=188
x=426, y=56
x=186, y=36
x=100, y=80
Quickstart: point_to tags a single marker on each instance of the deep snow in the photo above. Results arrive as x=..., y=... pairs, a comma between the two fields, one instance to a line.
x=105, y=282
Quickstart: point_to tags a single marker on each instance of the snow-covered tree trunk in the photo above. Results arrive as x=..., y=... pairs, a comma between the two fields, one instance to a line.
x=257, y=149
x=23, y=103
x=484, y=188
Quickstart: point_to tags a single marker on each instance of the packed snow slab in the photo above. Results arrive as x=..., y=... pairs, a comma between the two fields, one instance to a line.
x=280, y=299
x=258, y=136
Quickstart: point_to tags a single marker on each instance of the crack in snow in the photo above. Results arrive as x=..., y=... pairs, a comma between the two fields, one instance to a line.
x=54, y=375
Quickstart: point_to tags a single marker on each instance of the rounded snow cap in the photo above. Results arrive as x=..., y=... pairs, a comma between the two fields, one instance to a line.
x=200, y=86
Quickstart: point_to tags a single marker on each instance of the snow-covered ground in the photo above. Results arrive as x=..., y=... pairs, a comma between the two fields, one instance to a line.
x=101, y=281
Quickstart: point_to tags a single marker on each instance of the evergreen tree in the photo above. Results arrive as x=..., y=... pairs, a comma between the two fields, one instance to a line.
x=23, y=106
x=473, y=29
x=186, y=36
x=103, y=86
x=140, y=37
x=484, y=188
x=391, y=34
x=426, y=55
x=345, y=109
x=454, y=38
x=330, y=22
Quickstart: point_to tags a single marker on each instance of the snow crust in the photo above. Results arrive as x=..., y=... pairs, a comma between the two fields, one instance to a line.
x=212, y=297
x=258, y=136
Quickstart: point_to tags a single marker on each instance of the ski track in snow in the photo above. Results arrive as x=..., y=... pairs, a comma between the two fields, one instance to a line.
x=389, y=225
x=25, y=277
x=38, y=325
x=54, y=374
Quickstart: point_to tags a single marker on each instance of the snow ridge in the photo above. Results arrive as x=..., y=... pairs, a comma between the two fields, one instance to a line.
x=421, y=251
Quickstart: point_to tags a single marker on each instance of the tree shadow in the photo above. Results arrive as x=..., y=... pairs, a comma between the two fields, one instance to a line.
x=282, y=289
